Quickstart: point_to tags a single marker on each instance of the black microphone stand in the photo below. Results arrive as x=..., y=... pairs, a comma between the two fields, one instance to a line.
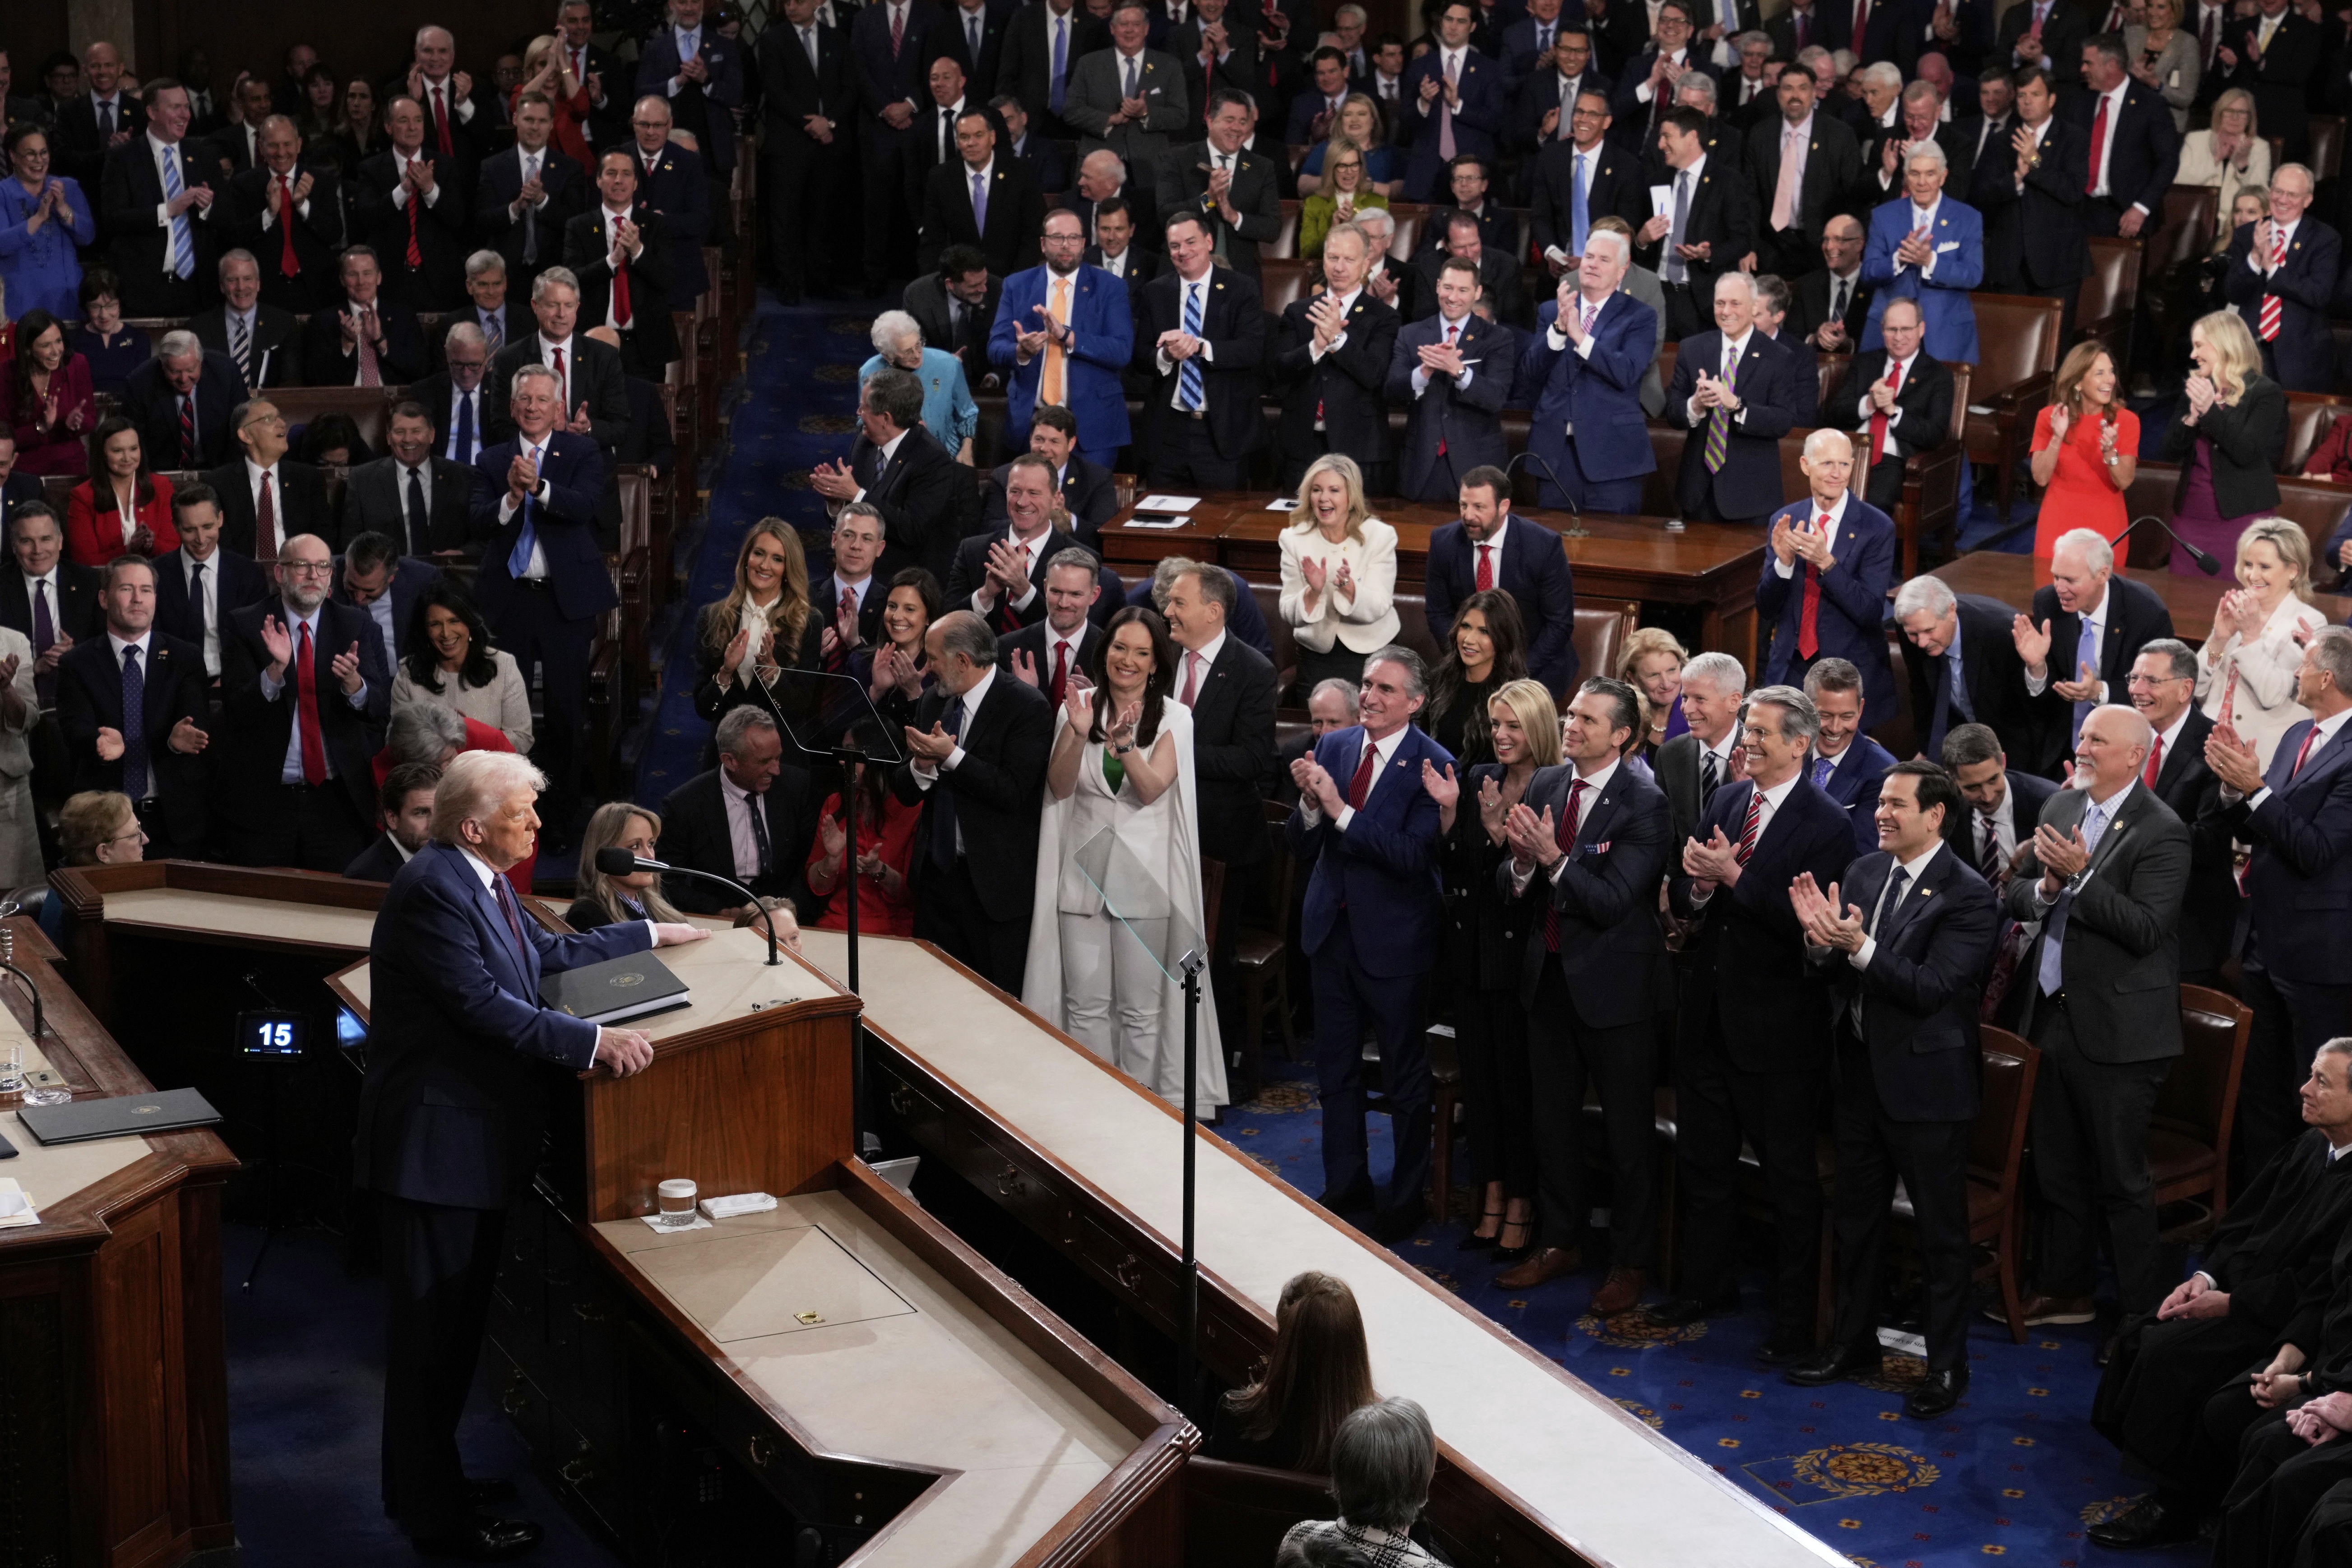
x=1576, y=528
x=2204, y=559
x=665, y=869
x=1188, y=1312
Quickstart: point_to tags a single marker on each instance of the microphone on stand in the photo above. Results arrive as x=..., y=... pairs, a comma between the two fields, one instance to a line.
x=616, y=861
x=2205, y=561
x=1575, y=529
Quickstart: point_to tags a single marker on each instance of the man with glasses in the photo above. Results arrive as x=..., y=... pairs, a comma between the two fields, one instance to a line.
x=1064, y=332
x=155, y=754
x=305, y=695
x=453, y=396
x=671, y=181
x=1544, y=111
x=264, y=495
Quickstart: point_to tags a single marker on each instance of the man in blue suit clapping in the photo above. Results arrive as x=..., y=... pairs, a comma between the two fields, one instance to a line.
x=1929, y=248
x=1064, y=332
x=1365, y=820
x=1823, y=593
x=1584, y=364
x=1848, y=766
x=1737, y=392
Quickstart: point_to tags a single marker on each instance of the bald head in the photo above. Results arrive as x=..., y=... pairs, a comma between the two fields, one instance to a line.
x=2111, y=750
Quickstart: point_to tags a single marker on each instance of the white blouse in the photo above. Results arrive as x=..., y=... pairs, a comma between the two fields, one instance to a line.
x=1360, y=621
x=2260, y=699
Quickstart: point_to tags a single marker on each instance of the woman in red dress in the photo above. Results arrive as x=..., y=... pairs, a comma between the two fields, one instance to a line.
x=547, y=71
x=46, y=392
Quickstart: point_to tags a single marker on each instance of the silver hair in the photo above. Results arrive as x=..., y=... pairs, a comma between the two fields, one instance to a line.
x=244, y=256
x=1382, y=1460
x=1884, y=73
x=1386, y=219
x=1926, y=153
x=1922, y=91
x=962, y=632
x=2176, y=654
x=1625, y=246
x=1416, y=673
x=434, y=27
x=1799, y=720
x=1350, y=228
x=534, y=372
x=467, y=333
x=482, y=263
x=423, y=733
x=2341, y=1045
x=864, y=509
x=1719, y=671
x=178, y=344
x=553, y=275
x=1348, y=695
x=1105, y=153
x=2310, y=181
x=476, y=784
x=1076, y=557
x=1698, y=84
x=738, y=722
x=1735, y=275
x=892, y=328
x=1932, y=595
x=2096, y=552
x=2331, y=648
x=1752, y=36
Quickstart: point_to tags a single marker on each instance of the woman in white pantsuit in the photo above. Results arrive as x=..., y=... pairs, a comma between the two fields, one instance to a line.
x=1118, y=869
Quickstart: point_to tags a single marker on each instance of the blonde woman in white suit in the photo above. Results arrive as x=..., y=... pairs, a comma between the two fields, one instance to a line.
x=2245, y=671
x=1339, y=574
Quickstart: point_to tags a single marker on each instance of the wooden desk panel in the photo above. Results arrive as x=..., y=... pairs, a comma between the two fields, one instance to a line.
x=2013, y=578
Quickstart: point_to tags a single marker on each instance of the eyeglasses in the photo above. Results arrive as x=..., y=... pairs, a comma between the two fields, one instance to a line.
x=306, y=568
x=271, y=418
x=2144, y=680
x=137, y=835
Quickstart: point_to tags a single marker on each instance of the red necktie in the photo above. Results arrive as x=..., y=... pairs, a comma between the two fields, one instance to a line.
x=187, y=429
x=1570, y=819
x=504, y=898
x=1191, y=691
x=441, y=124
x=415, y=256
x=265, y=524
x=1062, y=673
x=306, y=698
x=2272, y=308
x=1878, y=419
x=1361, y=785
x=898, y=30
x=1809, y=619
x=2302, y=751
x=621, y=313
x=1008, y=619
x=1485, y=568
x=1755, y=823
x=2099, y=142
x=287, y=263
x=2155, y=762
x=558, y=368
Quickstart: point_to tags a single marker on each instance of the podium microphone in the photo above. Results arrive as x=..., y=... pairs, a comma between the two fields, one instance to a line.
x=2204, y=559
x=616, y=861
x=1575, y=528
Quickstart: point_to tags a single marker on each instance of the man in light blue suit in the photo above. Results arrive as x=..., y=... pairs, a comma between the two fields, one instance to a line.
x=1929, y=248
x=1068, y=324
x=1584, y=365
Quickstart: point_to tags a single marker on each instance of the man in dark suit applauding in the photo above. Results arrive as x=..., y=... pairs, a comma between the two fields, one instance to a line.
x=1001, y=577
x=2033, y=240
x=528, y=193
x=980, y=197
x=2163, y=685
x=1331, y=358
x=1904, y=935
x=2078, y=641
x=361, y=339
x=2103, y=874
x=155, y=754
x=1736, y=392
x=1455, y=101
x=1453, y=372
x=409, y=203
x=1490, y=546
x=1753, y=1058
x=1829, y=163
x=263, y=340
x=1708, y=226
x=1585, y=363
x=1901, y=402
x=544, y=581
x=2281, y=277
x=290, y=218
x=1369, y=930
x=1823, y=591
x=747, y=818
x=462, y=1055
x=155, y=205
x=1232, y=189
x=923, y=494
x=181, y=401
x=1202, y=332
x=305, y=692
x=1847, y=764
x=1046, y=653
x=2297, y=815
x=1963, y=663
x=621, y=252
x=976, y=763
x=422, y=502
x=1592, y=981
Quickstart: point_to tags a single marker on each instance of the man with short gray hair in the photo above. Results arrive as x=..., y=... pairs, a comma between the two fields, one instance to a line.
x=1696, y=763
x=1963, y=663
x=595, y=396
x=181, y=401
x=745, y=819
x=361, y=339
x=2079, y=639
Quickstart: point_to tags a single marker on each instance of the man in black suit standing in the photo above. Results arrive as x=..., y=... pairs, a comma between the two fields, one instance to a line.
x=2163, y=685
x=848, y=601
x=155, y=756
x=1695, y=764
x=2133, y=147
x=747, y=818
x=924, y=495
x=2079, y=639
x=1645, y=88
x=1228, y=187
x=305, y=693
x=103, y=116
x=2273, y=55
x=266, y=497
x=409, y=204
x=42, y=594
x=621, y=252
x=976, y=763
x=1963, y=663
x=263, y=340
x=1708, y=226
x=1592, y=981
x=1898, y=402
x=956, y=308
x=2047, y=33
x=1041, y=44
x=1986, y=153
x=364, y=339
x=1001, y=222
x=1047, y=652
x=1087, y=493
x=1905, y=944
x=2033, y=237
x=592, y=384
x=2004, y=804
x=1736, y=392
x=200, y=582
x=456, y=396
x=1331, y=363
x=1217, y=54
x=526, y=196
x=181, y=400
x=1793, y=204
x=1453, y=372
x=605, y=77
x=1201, y=332
x=808, y=105
x=1498, y=272
x=156, y=201
x=289, y=217
x=1583, y=160
x=1753, y=1058
x=2280, y=276
x=1047, y=163
x=890, y=44
x=1543, y=112
x=405, y=813
x=1490, y=546
x=974, y=39
x=1001, y=577
x=421, y=501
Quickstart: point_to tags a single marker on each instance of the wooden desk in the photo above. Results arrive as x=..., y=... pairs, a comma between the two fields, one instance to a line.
x=114, y=1380
x=1709, y=565
x=2012, y=579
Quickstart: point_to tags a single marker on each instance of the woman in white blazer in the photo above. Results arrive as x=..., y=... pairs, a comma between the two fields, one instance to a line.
x=1339, y=575
x=2231, y=156
x=1118, y=869
x=2245, y=671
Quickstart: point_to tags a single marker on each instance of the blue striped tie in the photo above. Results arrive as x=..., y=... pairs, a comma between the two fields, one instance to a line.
x=1188, y=395
x=184, y=238
x=518, y=558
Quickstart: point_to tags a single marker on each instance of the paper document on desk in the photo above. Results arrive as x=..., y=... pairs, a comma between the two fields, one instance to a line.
x=1168, y=503
x=1159, y=521
x=1285, y=503
x=15, y=1205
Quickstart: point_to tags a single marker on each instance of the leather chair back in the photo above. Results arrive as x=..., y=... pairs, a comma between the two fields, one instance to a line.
x=2110, y=296
x=1284, y=246
x=1286, y=649
x=1282, y=282
x=2317, y=506
x=2325, y=134
x=1412, y=626
x=1831, y=368
x=369, y=407
x=1997, y=1139
x=2017, y=340
x=2309, y=415
x=1239, y=1513
x=1602, y=628
x=1410, y=218
x=2184, y=230
x=2199, y=1101
x=1659, y=488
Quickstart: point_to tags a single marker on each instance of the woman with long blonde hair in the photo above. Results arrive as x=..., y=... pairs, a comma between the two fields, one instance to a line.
x=2228, y=440
x=764, y=627
x=2085, y=448
x=608, y=900
x=1339, y=574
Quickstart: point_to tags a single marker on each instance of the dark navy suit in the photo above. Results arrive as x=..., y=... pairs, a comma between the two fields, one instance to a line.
x=2299, y=888
x=569, y=192
x=89, y=695
x=1369, y=932
x=1853, y=785
x=2302, y=358
x=1753, y=1054
x=1774, y=382
x=1592, y=1003
x=1534, y=571
x=705, y=108
x=1850, y=616
x=2132, y=619
x=1466, y=422
x=674, y=184
x=463, y=1067
x=1599, y=395
x=1477, y=123
x=1102, y=328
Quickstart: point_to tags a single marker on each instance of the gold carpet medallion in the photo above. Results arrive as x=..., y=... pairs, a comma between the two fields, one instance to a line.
x=1861, y=1470
x=1637, y=1331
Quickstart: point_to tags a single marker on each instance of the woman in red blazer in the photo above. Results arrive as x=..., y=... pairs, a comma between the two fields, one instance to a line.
x=120, y=487
x=44, y=394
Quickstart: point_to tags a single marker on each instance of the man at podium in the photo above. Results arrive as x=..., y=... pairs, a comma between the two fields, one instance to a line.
x=461, y=1059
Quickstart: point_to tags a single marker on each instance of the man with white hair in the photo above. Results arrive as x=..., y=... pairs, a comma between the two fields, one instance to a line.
x=462, y=1055
x=1737, y=392
x=1401, y=287
x=1592, y=346
x=181, y=401
x=1102, y=174
x=1929, y=249
x=2079, y=639
x=1962, y=662
x=1822, y=594
x=1692, y=765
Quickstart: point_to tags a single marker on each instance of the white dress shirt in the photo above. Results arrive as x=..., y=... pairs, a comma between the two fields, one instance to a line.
x=2103, y=158
x=2092, y=638
x=745, y=844
x=1029, y=549
x=1185, y=292
x=1734, y=351
x=1912, y=870
x=1787, y=569
x=1383, y=754
x=536, y=569
x=1923, y=218
x=1893, y=415
x=1421, y=372
x=322, y=660
x=400, y=162
x=1596, y=784
x=206, y=588
x=926, y=774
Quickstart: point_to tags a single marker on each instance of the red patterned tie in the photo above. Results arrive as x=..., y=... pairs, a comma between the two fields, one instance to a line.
x=1878, y=416
x=2302, y=751
x=2272, y=305
x=305, y=697
x=1809, y=619
x=1755, y=823
x=187, y=429
x=1570, y=819
x=558, y=368
x=844, y=630
x=1192, y=692
x=287, y=263
x=2155, y=762
x=416, y=255
x=1485, y=568
x=1361, y=785
x=265, y=523
x=2098, y=143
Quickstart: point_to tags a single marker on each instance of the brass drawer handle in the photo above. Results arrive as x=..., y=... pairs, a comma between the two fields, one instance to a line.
x=762, y=1452
x=1129, y=1273
x=1009, y=1181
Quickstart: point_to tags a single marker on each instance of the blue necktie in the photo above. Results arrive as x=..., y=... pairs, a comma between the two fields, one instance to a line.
x=979, y=205
x=2053, y=972
x=1061, y=62
x=518, y=558
x=184, y=239
x=943, y=800
x=1189, y=391
x=1578, y=223
x=463, y=443
x=134, y=726
x=1821, y=768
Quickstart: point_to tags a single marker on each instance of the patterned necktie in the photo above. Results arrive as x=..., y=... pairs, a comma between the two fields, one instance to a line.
x=1753, y=828
x=1710, y=777
x=1446, y=113
x=1809, y=618
x=530, y=213
x=1062, y=672
x=187, y=430
x=1878, y=416
x=371, y=373
x=305, y=695
x=1718, y=420
x=241, y=348
x=1361, y=785
x=1989, y=859
x=134, y=725
x=1189, y=391
x=1191, y=691
x=2273, y=306
x=1571, y=821
x=414, y=254
x=562, y=376
x=1485, y=568
x=180, y=262
x=288, y=264
x=756, y=805
x=898, y=29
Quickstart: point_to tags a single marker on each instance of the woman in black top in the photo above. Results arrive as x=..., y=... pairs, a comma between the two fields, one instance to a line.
x=1485, y=939
x=1487, y=652
x=608, y=900
x=2228, y=440
x=1319, y=1372
x=894, y=669
x=764, y=627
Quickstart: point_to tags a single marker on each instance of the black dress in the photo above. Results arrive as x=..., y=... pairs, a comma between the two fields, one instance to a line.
x=587, y=914
x=1484, y=941
x=1450, y=727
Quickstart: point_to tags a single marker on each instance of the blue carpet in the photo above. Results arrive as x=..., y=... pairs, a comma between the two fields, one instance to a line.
x=2016, y=1471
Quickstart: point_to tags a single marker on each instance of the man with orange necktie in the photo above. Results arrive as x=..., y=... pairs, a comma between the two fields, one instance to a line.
x=1063, y=332
x=1823, y=593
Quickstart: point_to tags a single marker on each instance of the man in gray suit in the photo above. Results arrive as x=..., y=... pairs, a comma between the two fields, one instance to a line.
x=1691, y=768
x=2103, y=874
x=1234, y=190
x=1126, y=97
